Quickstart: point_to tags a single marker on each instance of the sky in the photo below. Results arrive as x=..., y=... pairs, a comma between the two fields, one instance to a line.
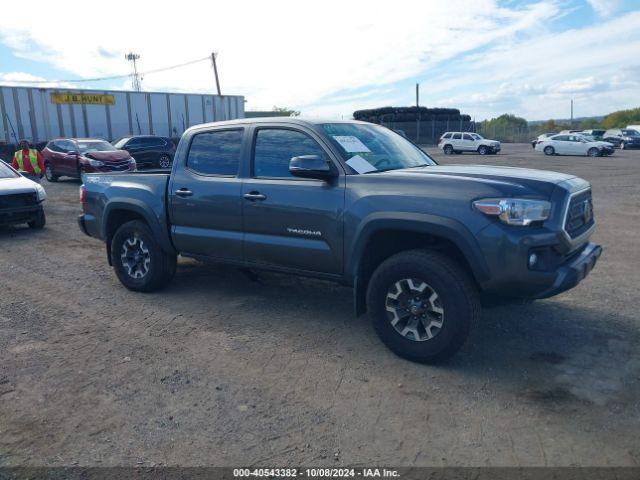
x=329, y=58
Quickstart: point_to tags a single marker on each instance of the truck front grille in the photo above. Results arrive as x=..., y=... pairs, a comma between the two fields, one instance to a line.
x=579, y=217
x=18, y=200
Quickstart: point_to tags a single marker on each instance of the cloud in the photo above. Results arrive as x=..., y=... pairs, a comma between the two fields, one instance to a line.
x=18, y=79
x=286, y=53
x=604, y=8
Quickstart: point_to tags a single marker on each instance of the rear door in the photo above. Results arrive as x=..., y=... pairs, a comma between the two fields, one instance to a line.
x=468, y=143
x=561, y=144
x=205, y=195
x=135, y=148
x=291, y=222
x=456, y=141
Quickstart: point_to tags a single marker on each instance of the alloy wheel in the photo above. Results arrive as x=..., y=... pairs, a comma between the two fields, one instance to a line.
x=414, y=309
x=164, y=161
x=135, y=257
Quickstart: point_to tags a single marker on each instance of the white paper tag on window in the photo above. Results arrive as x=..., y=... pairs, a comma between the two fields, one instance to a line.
x=360, y=165
x=351, y=144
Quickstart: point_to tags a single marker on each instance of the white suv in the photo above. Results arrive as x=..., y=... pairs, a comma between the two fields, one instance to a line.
x=458, y=142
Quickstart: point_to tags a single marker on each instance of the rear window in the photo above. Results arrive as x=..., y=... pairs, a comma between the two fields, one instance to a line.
x=216, y=153
x=446, y=135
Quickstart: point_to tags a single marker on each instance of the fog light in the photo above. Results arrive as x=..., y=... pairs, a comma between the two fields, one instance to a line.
x=533, y=259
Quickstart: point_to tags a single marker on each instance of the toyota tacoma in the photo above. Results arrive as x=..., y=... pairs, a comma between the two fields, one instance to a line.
x=423, y=245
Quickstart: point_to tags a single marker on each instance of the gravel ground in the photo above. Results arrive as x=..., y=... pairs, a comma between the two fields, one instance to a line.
x=220, y=369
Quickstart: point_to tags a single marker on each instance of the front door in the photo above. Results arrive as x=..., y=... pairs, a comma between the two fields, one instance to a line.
x=205, y=196
x=291, y=222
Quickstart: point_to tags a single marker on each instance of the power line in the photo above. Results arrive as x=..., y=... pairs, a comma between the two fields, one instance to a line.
x=115, y=77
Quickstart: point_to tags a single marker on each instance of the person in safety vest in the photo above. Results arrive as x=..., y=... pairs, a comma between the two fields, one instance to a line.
x=28, y=160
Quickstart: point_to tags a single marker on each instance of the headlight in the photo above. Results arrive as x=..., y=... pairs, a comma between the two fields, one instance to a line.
x=42, y=195
x=95, y=163
x=514, y=211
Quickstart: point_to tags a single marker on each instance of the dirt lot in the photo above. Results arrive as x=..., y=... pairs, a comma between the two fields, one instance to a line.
x=222, y=370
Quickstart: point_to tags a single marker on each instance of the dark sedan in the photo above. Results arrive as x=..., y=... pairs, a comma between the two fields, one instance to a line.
x=150, y=151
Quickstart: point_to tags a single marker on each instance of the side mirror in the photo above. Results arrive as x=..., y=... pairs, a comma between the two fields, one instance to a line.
x=311, y=166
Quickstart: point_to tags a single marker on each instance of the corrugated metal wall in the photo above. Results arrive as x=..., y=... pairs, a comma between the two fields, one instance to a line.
x=29, y=113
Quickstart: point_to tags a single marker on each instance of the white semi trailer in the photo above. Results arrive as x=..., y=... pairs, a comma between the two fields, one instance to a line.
x=39, y=114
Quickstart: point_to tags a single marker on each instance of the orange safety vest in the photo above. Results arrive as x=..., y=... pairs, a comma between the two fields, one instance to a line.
x=33, y=159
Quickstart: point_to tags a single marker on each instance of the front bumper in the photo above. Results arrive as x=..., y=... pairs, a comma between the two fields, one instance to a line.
x=18, y=215
x=573, y=272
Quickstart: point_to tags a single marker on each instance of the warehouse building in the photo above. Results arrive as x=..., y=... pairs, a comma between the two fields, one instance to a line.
x=39, y=114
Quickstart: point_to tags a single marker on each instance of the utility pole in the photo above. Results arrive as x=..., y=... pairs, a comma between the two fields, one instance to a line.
x=135, y=78
x=215, y=70
x=572, y=113
x=417, y=113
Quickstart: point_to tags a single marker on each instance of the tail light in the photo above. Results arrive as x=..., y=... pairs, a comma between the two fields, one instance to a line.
x=83, y=195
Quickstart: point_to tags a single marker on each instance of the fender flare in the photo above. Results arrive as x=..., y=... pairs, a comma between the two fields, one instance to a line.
x=443, y=227
x=145, y=211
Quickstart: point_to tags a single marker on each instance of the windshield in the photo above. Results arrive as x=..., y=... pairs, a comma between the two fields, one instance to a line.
x=477, y=137
x=631, y=133
x=120, y=143
x=6, y=171
x=372, y=148
x=95, y=146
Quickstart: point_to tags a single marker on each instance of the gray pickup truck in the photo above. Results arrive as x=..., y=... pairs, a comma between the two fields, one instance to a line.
x=422, y=245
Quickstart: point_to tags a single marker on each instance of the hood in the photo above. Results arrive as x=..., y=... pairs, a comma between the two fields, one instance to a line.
x=10, y=186
x=113, y=156
x=543, y=181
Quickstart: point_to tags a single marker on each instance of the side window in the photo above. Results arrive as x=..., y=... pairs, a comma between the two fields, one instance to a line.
x=216, y=153
x=467, y=137
x=561, y=138
x=66, y=145
x=446, y=135
x=276, y=146
x=134, y=142
x=53, y=146
x=457, y=136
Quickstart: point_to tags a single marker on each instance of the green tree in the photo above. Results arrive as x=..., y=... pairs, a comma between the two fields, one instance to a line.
x=589, y=124
x=291, y=113
x=621, y=118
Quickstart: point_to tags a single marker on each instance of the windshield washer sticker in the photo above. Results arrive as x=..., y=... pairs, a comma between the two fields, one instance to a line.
x=351, y=144
x=360, y=165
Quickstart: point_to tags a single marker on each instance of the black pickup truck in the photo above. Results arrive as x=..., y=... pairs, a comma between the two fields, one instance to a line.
x=422, y=245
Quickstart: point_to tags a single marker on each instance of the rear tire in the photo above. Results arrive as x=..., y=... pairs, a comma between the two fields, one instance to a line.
x=48, y=173
x=549, y=151
x=622, y=146
x=448, y=149
x=138, y=260
x=39, y=222
x=403, y=298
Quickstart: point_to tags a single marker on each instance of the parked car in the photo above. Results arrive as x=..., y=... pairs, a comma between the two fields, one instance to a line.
x=150, y=151
x=71, y=157
x=459, y=142
x=355, y=203
x=566, y=144
x=21, y=199
x=570, y=131
x=623, y=138
x=595, y=133
x=634, y=127
x=541, y=137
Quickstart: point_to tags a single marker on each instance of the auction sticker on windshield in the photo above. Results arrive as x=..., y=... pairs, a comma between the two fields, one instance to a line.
x=360, y=165
x=351, y=144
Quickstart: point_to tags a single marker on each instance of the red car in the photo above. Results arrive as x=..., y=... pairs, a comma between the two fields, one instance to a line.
x=71, y=157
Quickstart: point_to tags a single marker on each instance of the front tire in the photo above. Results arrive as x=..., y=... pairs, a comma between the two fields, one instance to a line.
x=482, y=150
x=139, y=262
x=593, y=152
x=48, y=173
x=422, y=305
x=549, y=151
x=39, y=222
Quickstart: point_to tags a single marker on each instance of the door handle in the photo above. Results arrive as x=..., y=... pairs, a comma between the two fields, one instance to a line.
x=254, y=196
x=184, y=192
